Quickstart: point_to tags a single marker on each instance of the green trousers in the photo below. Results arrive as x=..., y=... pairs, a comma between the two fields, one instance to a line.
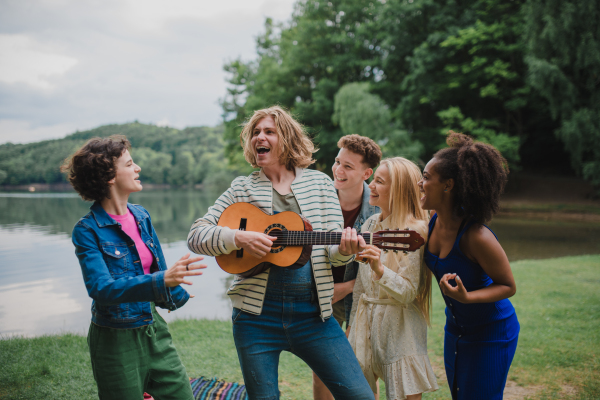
x=128, y=362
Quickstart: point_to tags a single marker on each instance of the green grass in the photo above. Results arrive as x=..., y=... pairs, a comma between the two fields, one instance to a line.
x=49, y=367
x=558, y=306
x=557, y=302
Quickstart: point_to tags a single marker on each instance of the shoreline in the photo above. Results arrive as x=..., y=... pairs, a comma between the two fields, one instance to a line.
x=64, y=187
x=550, y=215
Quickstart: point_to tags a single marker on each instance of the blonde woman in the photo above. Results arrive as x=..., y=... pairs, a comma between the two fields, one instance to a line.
x=284, y=309
x=392, y=294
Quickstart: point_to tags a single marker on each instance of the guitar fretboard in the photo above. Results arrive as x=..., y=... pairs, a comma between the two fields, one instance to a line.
x=301, y=238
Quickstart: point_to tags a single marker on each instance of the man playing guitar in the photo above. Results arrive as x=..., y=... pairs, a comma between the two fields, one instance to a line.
x=285, y=309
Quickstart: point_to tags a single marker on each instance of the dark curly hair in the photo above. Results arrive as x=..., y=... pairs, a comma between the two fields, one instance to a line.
x=93, y=165
x=479, y=172
x=364, y=146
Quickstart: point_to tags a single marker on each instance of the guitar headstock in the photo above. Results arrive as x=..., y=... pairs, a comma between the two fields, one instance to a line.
x=398, y=240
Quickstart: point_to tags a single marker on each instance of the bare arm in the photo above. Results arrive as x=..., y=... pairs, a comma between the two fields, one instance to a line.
x=341, y=290
x=481, y=246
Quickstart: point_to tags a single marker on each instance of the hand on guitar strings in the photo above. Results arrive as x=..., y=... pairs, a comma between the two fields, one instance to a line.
x=257, y=244
x=372, y=255
x=351, y=242
x=182, y=268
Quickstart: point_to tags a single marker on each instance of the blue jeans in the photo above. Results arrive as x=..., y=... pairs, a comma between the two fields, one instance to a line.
x=290, y=321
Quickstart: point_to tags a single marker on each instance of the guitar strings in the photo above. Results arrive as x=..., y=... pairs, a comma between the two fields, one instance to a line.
x=300, y=238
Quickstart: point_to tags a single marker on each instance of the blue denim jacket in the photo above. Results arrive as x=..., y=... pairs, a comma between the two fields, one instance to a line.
x=352, y=269
x=113, y=273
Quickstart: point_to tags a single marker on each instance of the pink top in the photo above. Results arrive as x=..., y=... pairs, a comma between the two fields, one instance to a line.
x=129, y=226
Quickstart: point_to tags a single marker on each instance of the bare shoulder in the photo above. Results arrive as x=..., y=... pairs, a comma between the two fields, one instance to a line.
x=479, y=234
x=478, y=240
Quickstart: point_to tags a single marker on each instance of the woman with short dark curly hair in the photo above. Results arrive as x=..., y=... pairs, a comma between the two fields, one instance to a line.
x=462, y=184
x=93, y=165
x=126, y=275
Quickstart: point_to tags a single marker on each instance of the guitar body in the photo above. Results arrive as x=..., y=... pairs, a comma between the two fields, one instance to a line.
x=295, y=239
x=245, y=216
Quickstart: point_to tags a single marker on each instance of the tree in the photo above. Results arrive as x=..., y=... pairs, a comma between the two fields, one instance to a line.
x=460, y=58
x=357, y=111
x=155, y=165
x=301, y=65
x=153, y=148
x=419, y=57
x=563, y=42
x=434, y=65
x=482, y=131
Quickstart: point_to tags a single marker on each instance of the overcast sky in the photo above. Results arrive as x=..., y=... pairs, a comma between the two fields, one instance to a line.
x=68, y=65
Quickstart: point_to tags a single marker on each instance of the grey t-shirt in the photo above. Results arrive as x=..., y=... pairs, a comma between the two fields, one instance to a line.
x=286, y=202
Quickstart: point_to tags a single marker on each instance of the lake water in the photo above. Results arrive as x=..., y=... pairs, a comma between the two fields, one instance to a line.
x=42, y=291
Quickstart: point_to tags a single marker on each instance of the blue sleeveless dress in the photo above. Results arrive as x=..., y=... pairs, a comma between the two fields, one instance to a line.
x=480, y=339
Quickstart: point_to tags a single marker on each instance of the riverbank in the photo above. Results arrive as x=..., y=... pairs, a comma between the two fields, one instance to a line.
x=549, y=197
x=557, y=302
x=66, y=187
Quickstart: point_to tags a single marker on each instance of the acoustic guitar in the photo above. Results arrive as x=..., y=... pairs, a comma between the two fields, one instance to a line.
x=295, y=239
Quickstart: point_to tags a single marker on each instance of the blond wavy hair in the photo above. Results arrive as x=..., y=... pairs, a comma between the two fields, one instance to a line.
x=295, y=147
x=406, y=211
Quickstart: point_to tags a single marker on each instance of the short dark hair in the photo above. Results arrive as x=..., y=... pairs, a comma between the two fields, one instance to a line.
x=93, y=165
x=479, y=172
x=366, y=147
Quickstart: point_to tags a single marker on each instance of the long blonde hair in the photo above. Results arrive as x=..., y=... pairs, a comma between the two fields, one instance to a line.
x=406, y=210
x=295, y=147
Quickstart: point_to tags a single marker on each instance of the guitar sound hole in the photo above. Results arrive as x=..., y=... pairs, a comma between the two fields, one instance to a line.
x=274, y=229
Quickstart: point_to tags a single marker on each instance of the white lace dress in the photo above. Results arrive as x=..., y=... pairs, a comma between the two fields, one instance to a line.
x=388, y=332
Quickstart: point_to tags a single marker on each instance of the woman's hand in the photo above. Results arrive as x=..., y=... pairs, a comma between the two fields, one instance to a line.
x=458, y=292
x=257, y=244
x=351, y=242
x=182, y=268
x=373, y=256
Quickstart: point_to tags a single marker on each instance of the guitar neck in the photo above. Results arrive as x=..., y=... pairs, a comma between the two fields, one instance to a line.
x=301, y=238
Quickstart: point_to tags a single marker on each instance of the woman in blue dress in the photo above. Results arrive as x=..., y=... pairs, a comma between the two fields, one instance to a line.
x=462, y=184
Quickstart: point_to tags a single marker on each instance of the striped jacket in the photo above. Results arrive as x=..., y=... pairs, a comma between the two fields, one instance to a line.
x=318, y=202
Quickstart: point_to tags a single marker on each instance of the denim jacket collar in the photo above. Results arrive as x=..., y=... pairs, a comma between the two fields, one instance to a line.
x=103, y=219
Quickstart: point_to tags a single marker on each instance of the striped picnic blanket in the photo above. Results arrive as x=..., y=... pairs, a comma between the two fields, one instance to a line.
x=217, y=389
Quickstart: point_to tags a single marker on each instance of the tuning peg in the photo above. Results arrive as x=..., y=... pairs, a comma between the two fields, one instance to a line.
x=405, y=252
